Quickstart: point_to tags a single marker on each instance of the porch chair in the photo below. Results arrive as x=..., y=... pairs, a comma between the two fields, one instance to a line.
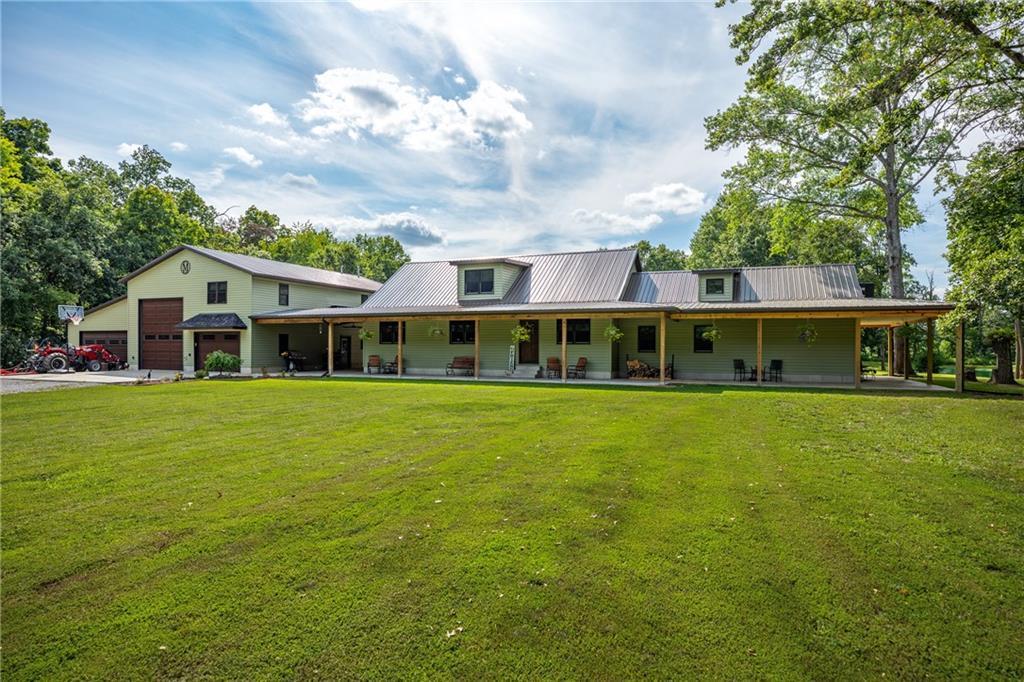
x=391, y=367
x=775, y=370
x=554, y=368
x=867, y=373
x=373, y=364
x=580, y=370
x=739, y=370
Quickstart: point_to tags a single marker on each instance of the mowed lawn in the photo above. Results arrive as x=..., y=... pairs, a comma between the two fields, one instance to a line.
x=273, y=529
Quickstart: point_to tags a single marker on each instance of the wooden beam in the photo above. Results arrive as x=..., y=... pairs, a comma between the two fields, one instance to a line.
x=959, y=383
x=906, y=314
x=889, y=365
x=856, y=353
x=401, y=359
x=565, y=350
x=661, y=350
x=476, y=348
x=906, y=358
x=931, y=350
x=330, y=348
x=760, y=361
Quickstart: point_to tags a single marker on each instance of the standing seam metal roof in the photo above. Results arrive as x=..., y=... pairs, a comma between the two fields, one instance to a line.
x=776, y=283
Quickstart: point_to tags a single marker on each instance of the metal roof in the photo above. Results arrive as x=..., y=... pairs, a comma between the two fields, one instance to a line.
x=481, y=261
x=455, y=311
x=271, y=269
x=772, y=283
x=101, y=306
x=817, y=304
x=213, y=321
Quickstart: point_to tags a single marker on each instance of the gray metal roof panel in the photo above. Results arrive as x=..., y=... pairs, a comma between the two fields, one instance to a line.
x=770, y=283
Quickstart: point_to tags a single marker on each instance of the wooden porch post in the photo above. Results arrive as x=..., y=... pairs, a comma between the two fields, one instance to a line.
x=330, y=348
x=888, y=354
x=931, y=350
x=661, y=350
x=959, y=384
x=856, y=352
x=760, y=361
x=906, y=357
x=476, y=348
x=565, y=349
x=401, y=359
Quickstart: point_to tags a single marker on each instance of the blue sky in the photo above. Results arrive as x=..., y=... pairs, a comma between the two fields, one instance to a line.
x=460, y=129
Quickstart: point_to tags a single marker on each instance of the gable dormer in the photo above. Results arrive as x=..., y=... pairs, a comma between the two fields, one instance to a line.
x=716, y=285
x=486, y=279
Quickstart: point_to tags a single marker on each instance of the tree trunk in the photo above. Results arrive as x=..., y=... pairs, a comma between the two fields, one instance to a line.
x=1003, y=373
x=894, y=245
x=1018, y=330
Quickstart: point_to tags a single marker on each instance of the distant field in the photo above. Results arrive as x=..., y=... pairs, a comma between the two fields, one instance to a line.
x=339, y=529
x=949, y=380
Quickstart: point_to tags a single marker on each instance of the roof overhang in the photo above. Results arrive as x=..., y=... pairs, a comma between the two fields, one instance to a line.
x=105, y=304
x=488, y=261
x=213, y=322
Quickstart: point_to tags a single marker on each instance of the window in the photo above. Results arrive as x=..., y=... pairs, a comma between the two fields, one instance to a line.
x=164, y=337
x=389, y=332
x=175, y=337
x=209, y=337
x=282, y=343
x=480, y=281
x=150, y=337
x=216, y=292
x=363, y=297
x=714, y=285
x=282, y=294
x=700, y=344
x=578, y=331
x=646, y=338
x=460, y=331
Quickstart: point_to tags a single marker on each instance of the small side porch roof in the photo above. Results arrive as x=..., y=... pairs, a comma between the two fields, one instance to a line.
x=207, y=321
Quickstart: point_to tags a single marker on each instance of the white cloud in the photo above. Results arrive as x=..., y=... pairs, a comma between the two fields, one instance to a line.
x=127, y=148
x=410, y=229
x=355, y=102
x=179, y=147
x=671, y=198
x=265, y=114
x=244, y=156
x=604, y=223
x=460, y=80
x=299, y=180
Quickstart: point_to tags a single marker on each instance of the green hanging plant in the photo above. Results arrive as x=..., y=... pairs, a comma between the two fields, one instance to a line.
x=520, y=334
x=807, y=333
x=613, y=333
x=712, y=333
x=365, y=334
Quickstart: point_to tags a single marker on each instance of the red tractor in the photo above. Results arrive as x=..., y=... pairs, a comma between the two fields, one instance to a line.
x=48, y=357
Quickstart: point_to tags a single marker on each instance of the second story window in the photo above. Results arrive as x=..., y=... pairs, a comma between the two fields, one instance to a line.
x=216, y=292
x=282, y=294
x=714, y=285
x=480, y=281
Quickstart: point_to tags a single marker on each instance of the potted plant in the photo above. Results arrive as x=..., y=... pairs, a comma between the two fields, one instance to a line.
x=520, y=334
x=712, y=333
x=807, y=333
x=365, y=334
x=613, y=333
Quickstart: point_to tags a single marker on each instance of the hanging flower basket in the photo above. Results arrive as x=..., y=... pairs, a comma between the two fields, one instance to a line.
x=712, y=333
x=807, y=333
x=365, y=334
x=520, y=334
x=613, y=333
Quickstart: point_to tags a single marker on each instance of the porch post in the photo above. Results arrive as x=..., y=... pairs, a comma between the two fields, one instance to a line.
x=400, y=340
x=888, y=354
x=661, y=351
x=330, y=348
x=565, y=349
x=931, y=349
x=856, y=352
x=476, y=348
x=760, y=361
x=959, y=384
x=906, y=358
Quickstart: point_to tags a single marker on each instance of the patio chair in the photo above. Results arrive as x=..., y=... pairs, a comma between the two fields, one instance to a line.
x=391, y=367
x=867, y=373
x=775, y=370
x=553, y=369
x=463, y=363
x=373, y=364
x=739, y=370
x=580, y=370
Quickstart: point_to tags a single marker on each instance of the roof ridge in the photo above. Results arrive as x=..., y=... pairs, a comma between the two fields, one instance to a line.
x=519, y=255
x=201, y=249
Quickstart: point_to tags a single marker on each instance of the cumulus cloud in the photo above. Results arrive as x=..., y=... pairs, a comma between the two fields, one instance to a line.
x=606, y=223
x=410, y=229
x=265, y=114
x=127, y=148
x=356, y=102
x=460, y=80
x=179, y=146
x=299, y=180
x=671, y=198
x=243, y=155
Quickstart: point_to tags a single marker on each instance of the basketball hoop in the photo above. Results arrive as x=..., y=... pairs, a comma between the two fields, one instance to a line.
x=71, y=313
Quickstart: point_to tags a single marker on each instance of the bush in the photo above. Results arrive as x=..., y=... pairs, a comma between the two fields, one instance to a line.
x=201, y=374
x=219, y=361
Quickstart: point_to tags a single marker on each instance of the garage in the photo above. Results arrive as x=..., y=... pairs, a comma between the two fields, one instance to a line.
x=207, y=342
x=116, y=342
x=159, y=341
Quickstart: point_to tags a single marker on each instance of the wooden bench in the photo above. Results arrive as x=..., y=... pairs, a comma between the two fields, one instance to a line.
x=462, y=363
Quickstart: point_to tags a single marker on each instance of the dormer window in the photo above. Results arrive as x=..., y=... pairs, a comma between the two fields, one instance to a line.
x=714, y=285
x=480, y=281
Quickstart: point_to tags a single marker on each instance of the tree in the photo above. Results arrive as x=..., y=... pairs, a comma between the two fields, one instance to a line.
x=380, y=256
x=660, y=257
x=257, y=227
x=735, y=232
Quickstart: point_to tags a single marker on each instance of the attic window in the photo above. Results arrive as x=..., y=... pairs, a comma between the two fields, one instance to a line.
x=282, y=294
x=714, y=285
x=480, y=281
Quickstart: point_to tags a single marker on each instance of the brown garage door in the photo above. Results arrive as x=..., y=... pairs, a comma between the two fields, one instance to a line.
x=207, y=342
x=159, y=341
x=115, y=342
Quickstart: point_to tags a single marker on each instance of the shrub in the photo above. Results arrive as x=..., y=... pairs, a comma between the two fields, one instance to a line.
x=201, y=374
x=219, y=361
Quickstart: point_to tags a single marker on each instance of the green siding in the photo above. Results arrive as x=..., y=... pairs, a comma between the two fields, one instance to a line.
x=726, y=294
x=113, y=318
x=504, y=277
x=308, y=339
x=264, y=296
x=829, y=358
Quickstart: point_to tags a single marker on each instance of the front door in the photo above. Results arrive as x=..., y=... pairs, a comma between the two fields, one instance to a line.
x=529, y=351
x=343, y=354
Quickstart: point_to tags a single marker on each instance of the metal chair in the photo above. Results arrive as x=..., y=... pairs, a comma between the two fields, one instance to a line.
x=739, y=370
x=775, y=370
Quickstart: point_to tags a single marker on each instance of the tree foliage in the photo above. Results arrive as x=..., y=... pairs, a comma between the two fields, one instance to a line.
x=660, y=257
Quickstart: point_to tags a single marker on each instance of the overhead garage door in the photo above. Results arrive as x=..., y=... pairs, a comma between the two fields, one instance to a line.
x=115, y=342
x=207, y=342
x=159, y=341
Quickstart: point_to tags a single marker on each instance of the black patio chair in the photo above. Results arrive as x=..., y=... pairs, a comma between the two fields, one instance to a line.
x=775, y=370
x=739, y=370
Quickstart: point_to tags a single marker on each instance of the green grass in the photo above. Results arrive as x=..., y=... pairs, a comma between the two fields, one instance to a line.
x=351, y=529
x=949, y=380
